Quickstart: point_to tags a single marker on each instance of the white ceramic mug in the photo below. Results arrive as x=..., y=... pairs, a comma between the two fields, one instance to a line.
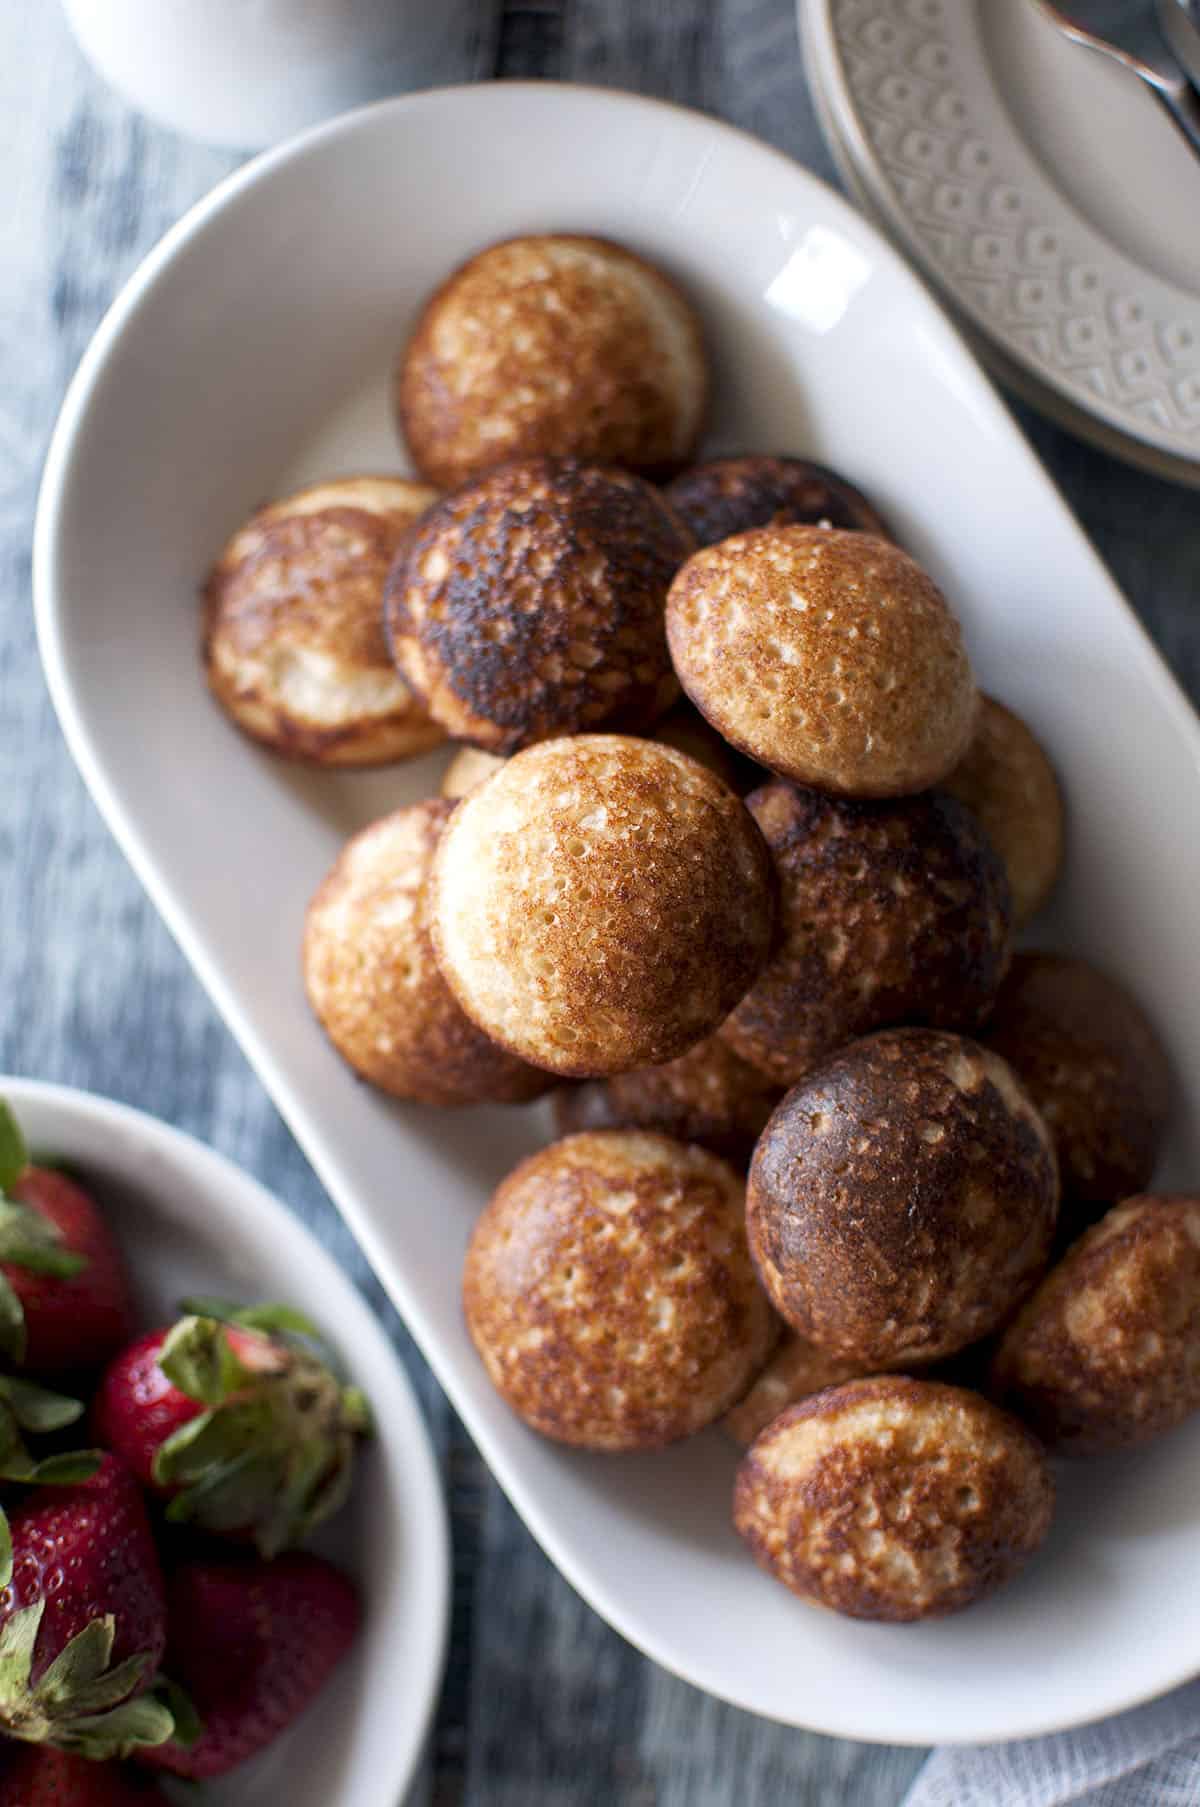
x=247, y=73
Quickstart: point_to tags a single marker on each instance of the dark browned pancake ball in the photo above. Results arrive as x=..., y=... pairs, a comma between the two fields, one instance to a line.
x=293, y=645
x=902, y=1199
x=894, y=1499
x=831, y=658
x=609, y=1291
x=888, y=913
x=1106, y=1354
x=682, y=727
x=1092, y=1063
x=731, y=495
x=601, y=903
x=373, y=981
x=530, y=604
x=708, y=1095
x=1006, y=778
x=555, y=344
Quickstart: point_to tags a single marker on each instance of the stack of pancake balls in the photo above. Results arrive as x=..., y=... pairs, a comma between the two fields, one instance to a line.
x=765, y=925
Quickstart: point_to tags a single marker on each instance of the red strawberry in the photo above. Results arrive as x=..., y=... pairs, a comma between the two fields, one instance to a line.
x=36, y=1775
x=64, y=1297
x=252, y=1643
x=83, y=1621
x=236, y=1420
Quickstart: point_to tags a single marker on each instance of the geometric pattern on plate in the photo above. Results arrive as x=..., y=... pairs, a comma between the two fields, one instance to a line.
x=1013, y=251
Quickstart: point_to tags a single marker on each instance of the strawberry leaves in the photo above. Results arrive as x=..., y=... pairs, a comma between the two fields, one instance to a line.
x=14, y=1155
x=80, y=1703
x=274, y=1448
x=271, y=1319
x=27, y=1239
x=202, y=1362
x=25, y=1407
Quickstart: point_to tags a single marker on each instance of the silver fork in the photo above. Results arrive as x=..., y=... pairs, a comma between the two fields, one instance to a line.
x=1138, y=37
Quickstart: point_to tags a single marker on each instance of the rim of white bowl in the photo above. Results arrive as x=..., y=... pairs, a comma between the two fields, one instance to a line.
x=427, y=1579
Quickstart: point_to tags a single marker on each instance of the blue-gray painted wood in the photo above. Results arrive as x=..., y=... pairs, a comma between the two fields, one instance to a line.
x=543, y=1705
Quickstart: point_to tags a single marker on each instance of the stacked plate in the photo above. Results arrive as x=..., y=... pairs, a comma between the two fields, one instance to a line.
x=1045, y=194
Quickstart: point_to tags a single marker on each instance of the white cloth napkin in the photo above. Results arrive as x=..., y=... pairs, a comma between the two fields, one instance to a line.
x=1148, y=1757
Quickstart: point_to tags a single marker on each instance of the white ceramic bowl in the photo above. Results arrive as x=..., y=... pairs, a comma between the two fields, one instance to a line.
x=248, y=75
x=251, y=353
x=189, y=1221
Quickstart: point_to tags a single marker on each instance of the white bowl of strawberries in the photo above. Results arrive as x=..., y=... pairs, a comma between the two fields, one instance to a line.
x=223, y=1543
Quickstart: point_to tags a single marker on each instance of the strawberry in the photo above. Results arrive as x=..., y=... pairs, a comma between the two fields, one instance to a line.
x=252, y=1643
x=83, y=1619
x=37, y=1775
x=64, y=1297
x=234, y=1418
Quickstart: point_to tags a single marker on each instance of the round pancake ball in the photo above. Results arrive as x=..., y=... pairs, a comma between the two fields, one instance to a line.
x=894, y=1499
x=468, y=768
x=373, y=981
x=902, y=1199
x=1106, y=1354
x=889, y=913
x=601, y=903
x=1007, y=780
x=559, y=345
x=609, y=1291
x=707, y=1095
x=1091, y=1061
x=530, y=604
x=732, y=495
x=829, y=657
x=796, y=1371
x=293, y=642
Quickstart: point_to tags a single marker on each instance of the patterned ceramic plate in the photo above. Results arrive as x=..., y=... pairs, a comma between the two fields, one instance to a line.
x=1043, y=191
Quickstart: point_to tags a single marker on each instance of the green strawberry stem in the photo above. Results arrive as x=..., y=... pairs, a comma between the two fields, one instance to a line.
x=80, y=1703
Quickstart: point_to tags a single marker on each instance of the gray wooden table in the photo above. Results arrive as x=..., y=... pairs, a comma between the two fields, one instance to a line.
x=543, y=1706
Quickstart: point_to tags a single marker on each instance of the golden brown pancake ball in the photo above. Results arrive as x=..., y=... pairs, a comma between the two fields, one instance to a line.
x=609, y=1291
x=294, y=646
x=555, y=345
x=732, y=495
x=890, y=913
x=373, y=981
x=795, y=1371
x=798, y=1369
x=1106, y=1354
x=902, y=1199
x=600, y=904
x=1006, y=778
x=1091, y=1061
x=708, y=1095
x=468, y=768
x=530, y=604
x=829, y=657
x=894, y=1499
